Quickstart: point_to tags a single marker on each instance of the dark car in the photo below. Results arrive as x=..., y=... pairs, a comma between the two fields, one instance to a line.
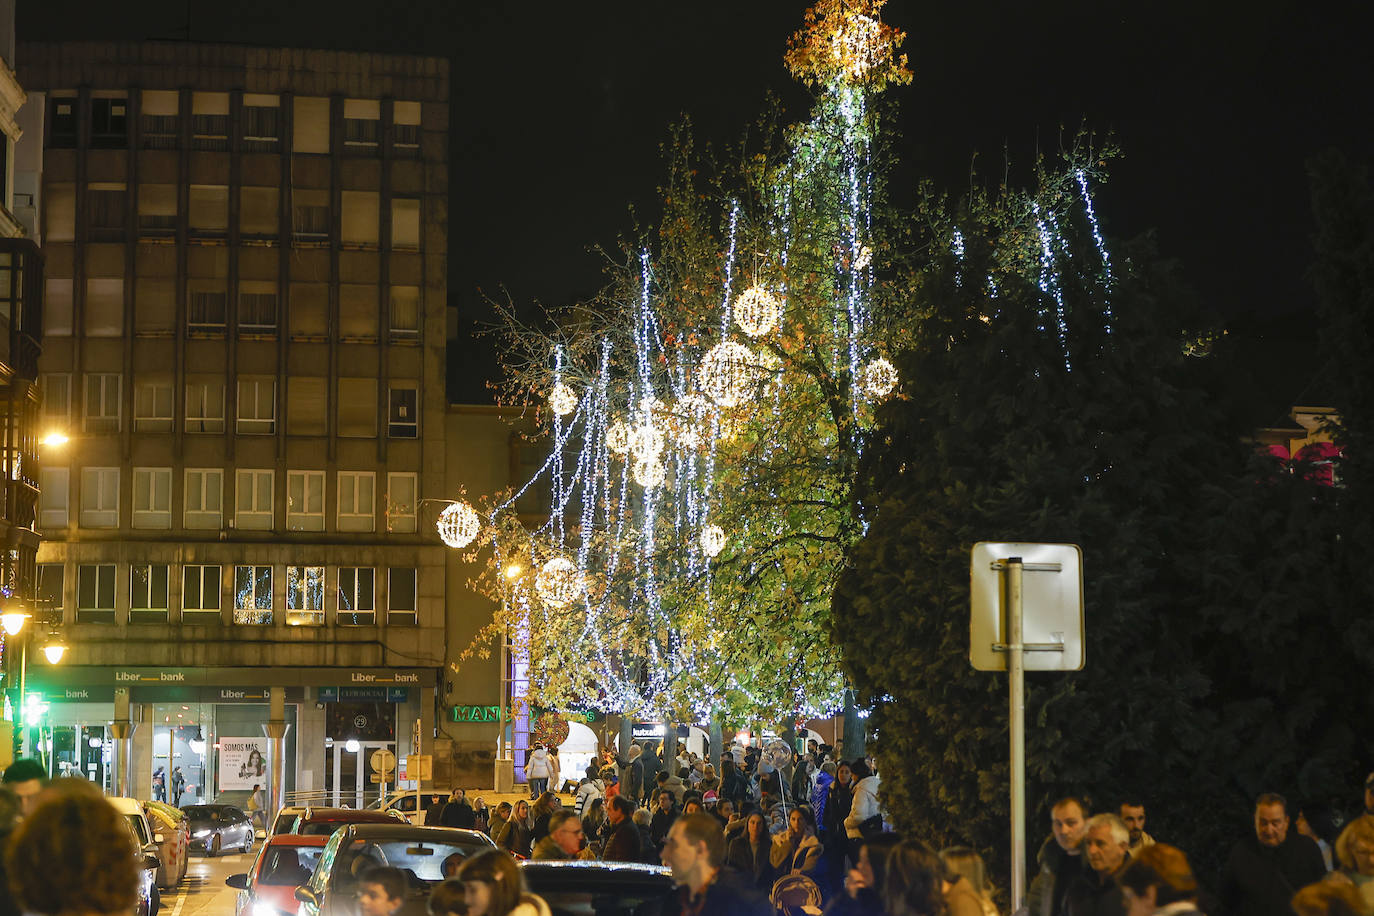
x=324, y=821
x=149, y=898
x=419, y=852
x=216, y=828
x=592, y=888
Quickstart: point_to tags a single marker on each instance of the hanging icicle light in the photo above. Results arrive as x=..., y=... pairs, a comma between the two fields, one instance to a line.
x=618, y=437
x=728, y=373
x=879, y=378
x=562, y=400
x=692, y=420
x=649, y=472
x=458, y=525
x=756, y=311
x=712, y=540
x=558, y=583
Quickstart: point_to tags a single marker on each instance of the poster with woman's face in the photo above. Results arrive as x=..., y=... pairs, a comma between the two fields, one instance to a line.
x=242, y=763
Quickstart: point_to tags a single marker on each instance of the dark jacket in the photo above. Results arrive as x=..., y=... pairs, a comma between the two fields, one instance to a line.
x=837, y=803
x=728, y=895
x=458, y=814
x=866, y=903
x=751, y=860
x=622, y=843
x=515, y=838
x=660, y=824
x=648, y=852
x=1260, y=880
x=1058, y=871
x=649, y=760
x=1092, y=895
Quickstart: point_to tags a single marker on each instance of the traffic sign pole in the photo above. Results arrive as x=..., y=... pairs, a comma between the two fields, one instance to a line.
x=1017, y=727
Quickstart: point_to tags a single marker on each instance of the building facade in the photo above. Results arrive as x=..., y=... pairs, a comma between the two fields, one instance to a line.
x=245, y=321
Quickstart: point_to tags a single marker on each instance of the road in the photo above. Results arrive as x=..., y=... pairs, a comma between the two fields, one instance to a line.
x=202, y=892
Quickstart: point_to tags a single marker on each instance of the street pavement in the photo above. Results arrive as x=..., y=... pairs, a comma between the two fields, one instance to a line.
x=203, y=892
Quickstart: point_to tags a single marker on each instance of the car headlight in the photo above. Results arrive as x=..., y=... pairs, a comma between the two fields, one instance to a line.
x=201, y=833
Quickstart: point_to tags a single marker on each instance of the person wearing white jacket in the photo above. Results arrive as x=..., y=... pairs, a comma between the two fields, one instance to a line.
x=555, y=771
x=865, y=806
x=591, y=787
x=537, y=771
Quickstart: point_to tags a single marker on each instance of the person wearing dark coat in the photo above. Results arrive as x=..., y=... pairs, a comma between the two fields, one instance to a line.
x=1266, y=869
x=458, y=813
x=748, y=852
x=434, y=811
x=694, y=853
x=648, y=850
x=622, y=836
x=662, y=820
x=1095, y=892
x=648, y=759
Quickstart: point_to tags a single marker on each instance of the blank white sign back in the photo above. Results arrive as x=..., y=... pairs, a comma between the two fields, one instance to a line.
x=1051, y=605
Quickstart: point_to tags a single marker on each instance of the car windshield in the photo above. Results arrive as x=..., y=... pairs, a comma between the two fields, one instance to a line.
x=288, y=865
x=136, y=824
x=320, y=828
x=284, y=823
x=422, y=858
x=593, y=892
x=203, y=813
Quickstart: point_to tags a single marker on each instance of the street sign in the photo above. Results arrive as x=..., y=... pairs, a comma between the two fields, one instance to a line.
x=1052, y=606
x=377, y=777
x=419, y=766
x=383, y=761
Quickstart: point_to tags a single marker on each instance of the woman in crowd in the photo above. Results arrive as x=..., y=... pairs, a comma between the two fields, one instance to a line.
x=515, y=836
x=593, y=823
x=839, y=798
x=498, y=819
x=546, y=804
x=710, y=782
x=1355, y=853
x=748, y=853
x=796, y=851
x=913, y=885
x=863, y=887
x=964, y=866
x=1158, y=879
x=481, y=816
x=488, y=884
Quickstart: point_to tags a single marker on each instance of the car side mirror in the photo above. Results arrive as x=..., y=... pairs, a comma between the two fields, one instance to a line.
x=151, y=862
x=306, y=895
x=237, y=881
x=159, y=839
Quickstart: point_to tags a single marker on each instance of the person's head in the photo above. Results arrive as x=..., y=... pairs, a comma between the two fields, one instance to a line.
x=684, y=773
x=459, y=795
x=1068, y=820
x=1271, y=819
x=545, y=803
x=665, y=800
x=522, y=810
x=538, y=746
x=597, y=807
x=1155, y=877
x=566, y=829
x=912, y=885
x=691, y=806
x=381, y=891
x=1316, y=821
x=1107, y=842
x=1133, y=816
x=553, y=751
x=1328, y=898
x=642, y=817
x=756, y=827
x=492, y=884
x=812, y=745
x=1355, y=845
x=447, y=897
x=503, y=810
x=72, y=854
x=593, y=771
x=859, y=769
x=871, y=862
x=725, y=808
x=661, y=777
x=843, y=774
x=255, y=757
x=256, y=787
x=26, y=777
x=694, y=849
x=620, y=808
x=449, y=869
x=800, y=822
x=965, y=862
x=635, y=751
x=708, y=771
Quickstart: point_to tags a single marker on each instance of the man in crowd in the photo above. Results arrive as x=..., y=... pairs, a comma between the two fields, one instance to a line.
x=1133, y=815
x=693, y=852
x=622, y=843
x=1106, y=844
x=26, y=778
x=457, y=812
x=564, y=840
x=652, y=765
x=662, y=820
x=1266, y=869
x=1060, y=858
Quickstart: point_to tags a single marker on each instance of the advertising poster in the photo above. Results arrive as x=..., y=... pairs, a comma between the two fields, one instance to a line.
x=242, y=763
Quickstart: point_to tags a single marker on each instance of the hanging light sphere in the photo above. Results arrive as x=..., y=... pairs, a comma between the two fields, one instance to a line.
x=459, y=524
x=650, y=472
x=562, y=400
x=651, y=407
x=646, y=442
x=712, y=540
x=558, y=583
x=692, y=420
x=879, y=378
x=728, y=373
x=756, y=311
x=864, y=258
x=618, y=437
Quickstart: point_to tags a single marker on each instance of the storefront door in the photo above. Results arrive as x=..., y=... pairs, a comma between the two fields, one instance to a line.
x=356, y=781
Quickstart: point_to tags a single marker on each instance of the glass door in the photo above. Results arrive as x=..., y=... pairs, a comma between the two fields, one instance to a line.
x=353, y=779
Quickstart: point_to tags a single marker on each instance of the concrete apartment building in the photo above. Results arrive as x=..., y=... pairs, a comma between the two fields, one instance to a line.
x=245, y=330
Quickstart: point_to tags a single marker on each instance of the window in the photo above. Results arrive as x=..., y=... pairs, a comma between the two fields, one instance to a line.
x=148, y=593
x=405, y=312
x=109, y=122
x=310, y=125
x=310, y=215
x=253, y=594
x=356, y=508
x=158, y=113
x=260, y=118
x=107, y=204
x=54, y=509
x=157, y=209
x=152, y=498
x=200, y=593
x=358, y=408
x=400, y=502
x=95, y=593
x=305, y=596
x=205, y=407
x=357, y=311
x=257, y=407
x=59, y=200
x=253, y=500
x=405, y=130
x=99, y=497
x=204, y=496
x=210, y=120
x=360, y=215
x=57, y=401
x=305, y=406
x=257, y=306
x=401, y=595
x=208, y=210
x=62, y=132
x=52, y=578
x=405, y=224
x=102, y=403
x=357, y=596
x=205, y=312
x=153, y=407
x=57, y=306
x=258, y=214
x=104, y=307
x=362, y=126
x=403, y=417
x=309, y=304
x=155, y=306
x=305, y=500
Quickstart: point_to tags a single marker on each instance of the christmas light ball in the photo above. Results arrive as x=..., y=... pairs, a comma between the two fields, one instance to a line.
x=651, y=407
x=692, y=420
x=558, y=583
x=864, y=258
x=879, y=377
x=646, y=442
x=458, y=525
x=649, y=472
x=756, y=311
x=618, y=437
x=728, y=373
x=562, y=400
x=712, y=540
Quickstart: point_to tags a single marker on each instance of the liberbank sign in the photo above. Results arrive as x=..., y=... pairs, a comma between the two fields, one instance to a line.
x=97, y=684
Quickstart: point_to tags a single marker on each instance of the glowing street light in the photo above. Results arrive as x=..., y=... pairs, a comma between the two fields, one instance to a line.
x=13, y=622
x=55, y=439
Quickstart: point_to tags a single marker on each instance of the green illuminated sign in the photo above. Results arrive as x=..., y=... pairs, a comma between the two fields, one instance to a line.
x=475, y=713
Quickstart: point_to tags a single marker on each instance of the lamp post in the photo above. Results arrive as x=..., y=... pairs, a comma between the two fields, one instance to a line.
x=13, y=622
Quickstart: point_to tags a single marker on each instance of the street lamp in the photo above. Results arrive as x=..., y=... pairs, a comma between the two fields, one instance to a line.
x=13, y=622
x=54, y=649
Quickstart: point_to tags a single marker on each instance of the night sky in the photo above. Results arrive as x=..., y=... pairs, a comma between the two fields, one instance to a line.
x=559, y=110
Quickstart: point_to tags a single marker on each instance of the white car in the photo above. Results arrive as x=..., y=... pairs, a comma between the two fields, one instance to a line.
x=403, y=801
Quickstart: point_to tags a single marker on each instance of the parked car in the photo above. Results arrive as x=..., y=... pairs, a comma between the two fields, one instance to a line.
x=592, y=887
x=324, y=821
x=285, y=821
x=404, y=802
x=268, y=888
x=149, y=840
x=149, y=900
x=176, y=841
x=215, y=828
x=420, y=853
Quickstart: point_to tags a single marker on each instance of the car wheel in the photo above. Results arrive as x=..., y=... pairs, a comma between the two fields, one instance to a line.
x=213, y=848
x=248, y=842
